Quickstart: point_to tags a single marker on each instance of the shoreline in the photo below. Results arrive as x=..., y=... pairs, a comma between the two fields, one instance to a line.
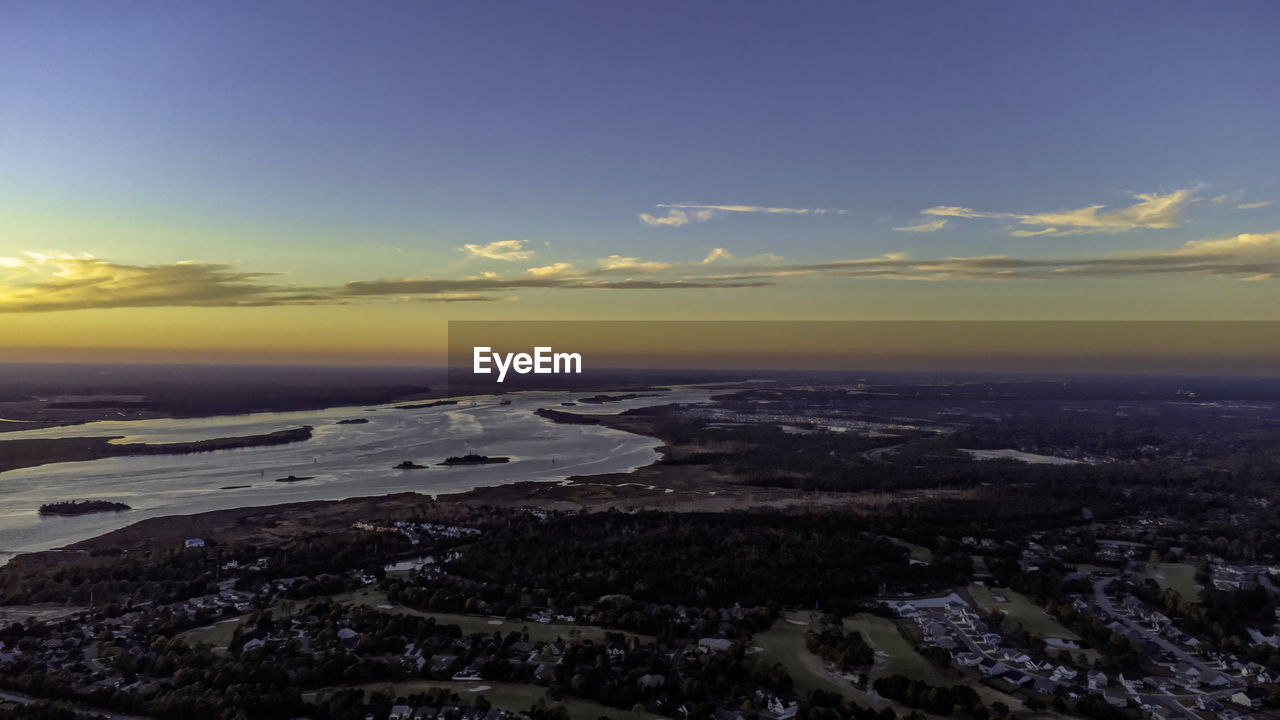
x=658, y=486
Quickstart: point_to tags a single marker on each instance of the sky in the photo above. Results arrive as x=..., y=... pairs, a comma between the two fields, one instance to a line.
x=334, y=182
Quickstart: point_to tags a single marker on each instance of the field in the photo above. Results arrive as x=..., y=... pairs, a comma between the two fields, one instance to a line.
x=219, y=634
x=784, y=644
x=1180, y=577
x=1021, y=610
x=471, y=624
x=506, y=696
x=918, y=552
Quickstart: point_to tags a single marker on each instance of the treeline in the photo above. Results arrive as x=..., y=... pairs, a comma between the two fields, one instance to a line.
x=753, y=558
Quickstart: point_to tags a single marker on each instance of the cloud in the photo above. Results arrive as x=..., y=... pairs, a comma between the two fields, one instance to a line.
x=679, y=213
x=435, y=286
x=1151, y=211
x=620, y=264
x=1252, y=257
x=53, y=282
x=673, y=218
x=955, y=211
x=507, y=250
x=551, y=270
x=716, y=254
x=924, y=227
x=1248, y=244
x=1253, y=205
x=43, y=283
x=465, y=297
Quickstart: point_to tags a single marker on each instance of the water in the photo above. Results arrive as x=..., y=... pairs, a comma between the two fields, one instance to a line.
x=343, y=460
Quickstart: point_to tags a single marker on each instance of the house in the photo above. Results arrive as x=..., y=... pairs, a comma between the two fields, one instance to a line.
x=1098, y=680
x=545, y=674
x=967, y=659
x=426, y=712
x=991, y=668
x=400, y=712
x=907, y=610
x=709, y=645
x=1215, y=680
x=1045, y=686
x=1250, y=697
x=194, y=543
x=1208, y=704
x=348, y=637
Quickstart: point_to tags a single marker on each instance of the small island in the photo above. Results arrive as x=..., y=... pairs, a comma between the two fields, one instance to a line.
x=423, y=406
x=294, y=478
x=82, y=507
x=353, y=421
x=566, y=418
x=474, y=459
x=408, y=465
x=604, y=398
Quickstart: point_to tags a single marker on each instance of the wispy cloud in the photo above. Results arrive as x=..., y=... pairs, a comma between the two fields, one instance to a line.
x=546, y=271
x=53, y=282
x=1151, y=211
x=620, y=264
x=716, y=254
x=1253, y=205
x=673, y=218
x=679, y=214
x=507, y=250
x=924, y=227
x=48, y=282
x=1248, y=256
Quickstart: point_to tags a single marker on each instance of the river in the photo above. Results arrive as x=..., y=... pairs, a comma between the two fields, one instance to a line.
x=350, y=460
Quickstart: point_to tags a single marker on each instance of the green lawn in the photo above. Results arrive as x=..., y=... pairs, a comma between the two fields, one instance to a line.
x=1019, y=608
x=1180, y=577
x=507, y=696
x=470, y=624
x=219, y=634
x=784, y=644
x=902, y=658
x=918, y=552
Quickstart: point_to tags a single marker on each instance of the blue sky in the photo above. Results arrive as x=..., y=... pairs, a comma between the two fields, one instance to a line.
x=339, y=142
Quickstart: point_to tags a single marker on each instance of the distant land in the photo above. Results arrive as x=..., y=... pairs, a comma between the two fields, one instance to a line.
x=16, y=454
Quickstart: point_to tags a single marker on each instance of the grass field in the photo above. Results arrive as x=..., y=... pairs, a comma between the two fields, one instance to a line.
x=902, y=658
x=1019, y=608
x=918, y=552
x=219, y=634
x=784, y=644
x=1180, y=577
x=506, y=696
x=470, y=624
